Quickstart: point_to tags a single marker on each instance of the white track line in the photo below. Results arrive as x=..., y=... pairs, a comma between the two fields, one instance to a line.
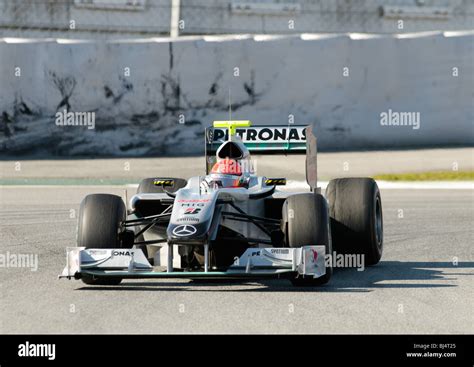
x=424, y=185
x=437, y=185
x=302, y=185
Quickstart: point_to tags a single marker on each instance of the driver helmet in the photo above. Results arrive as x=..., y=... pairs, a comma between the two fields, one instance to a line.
x=227, y=166
x=227, y=172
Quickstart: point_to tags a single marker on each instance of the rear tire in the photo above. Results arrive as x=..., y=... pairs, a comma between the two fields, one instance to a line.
x=147, y=186
x=306, y=219
x=355, y=207
x=99, y=226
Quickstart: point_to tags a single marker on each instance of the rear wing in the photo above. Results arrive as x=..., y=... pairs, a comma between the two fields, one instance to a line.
x=295, y=139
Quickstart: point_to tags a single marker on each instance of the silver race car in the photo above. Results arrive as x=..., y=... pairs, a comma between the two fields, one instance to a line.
x=229, y=223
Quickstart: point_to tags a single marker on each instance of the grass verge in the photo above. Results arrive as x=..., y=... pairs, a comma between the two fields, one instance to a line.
x=428, y=176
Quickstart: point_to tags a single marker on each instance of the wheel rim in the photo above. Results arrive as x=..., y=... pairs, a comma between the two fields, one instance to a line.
x=378, y=222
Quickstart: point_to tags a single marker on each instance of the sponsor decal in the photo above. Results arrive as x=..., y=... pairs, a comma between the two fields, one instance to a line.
x=193, y=205
x=97, y=252
x=194, y=200
x=280, y=251
x=187, y=219
x=210, y=135
x=192, y=211
x=264, y=134
x=277, y=255
x=255, y=253
x=184, y=230
x=122, y=253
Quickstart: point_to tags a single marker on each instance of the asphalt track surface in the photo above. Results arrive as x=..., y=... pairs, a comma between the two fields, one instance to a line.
x=330, y=165
x=424, y=283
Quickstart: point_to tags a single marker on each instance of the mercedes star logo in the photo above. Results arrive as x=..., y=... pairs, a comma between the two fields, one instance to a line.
x=184, y=230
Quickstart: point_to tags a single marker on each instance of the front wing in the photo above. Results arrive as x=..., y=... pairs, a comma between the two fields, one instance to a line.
x=254, y=263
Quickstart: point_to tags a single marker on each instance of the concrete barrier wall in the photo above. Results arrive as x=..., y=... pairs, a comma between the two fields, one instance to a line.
x=141, y=90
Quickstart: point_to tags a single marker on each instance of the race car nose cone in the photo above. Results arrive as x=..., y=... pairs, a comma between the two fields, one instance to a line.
x=195, y=233
x=184, y=230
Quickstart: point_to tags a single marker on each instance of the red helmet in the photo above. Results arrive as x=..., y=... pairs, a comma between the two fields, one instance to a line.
x=227, y=166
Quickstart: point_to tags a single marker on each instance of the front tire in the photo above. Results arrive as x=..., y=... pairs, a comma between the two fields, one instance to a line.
x=306, y=219
x=355, y=207
x=100, y=226
x=147, y=186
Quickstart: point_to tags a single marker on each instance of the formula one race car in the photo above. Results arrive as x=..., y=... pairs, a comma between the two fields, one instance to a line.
x=229, y=223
